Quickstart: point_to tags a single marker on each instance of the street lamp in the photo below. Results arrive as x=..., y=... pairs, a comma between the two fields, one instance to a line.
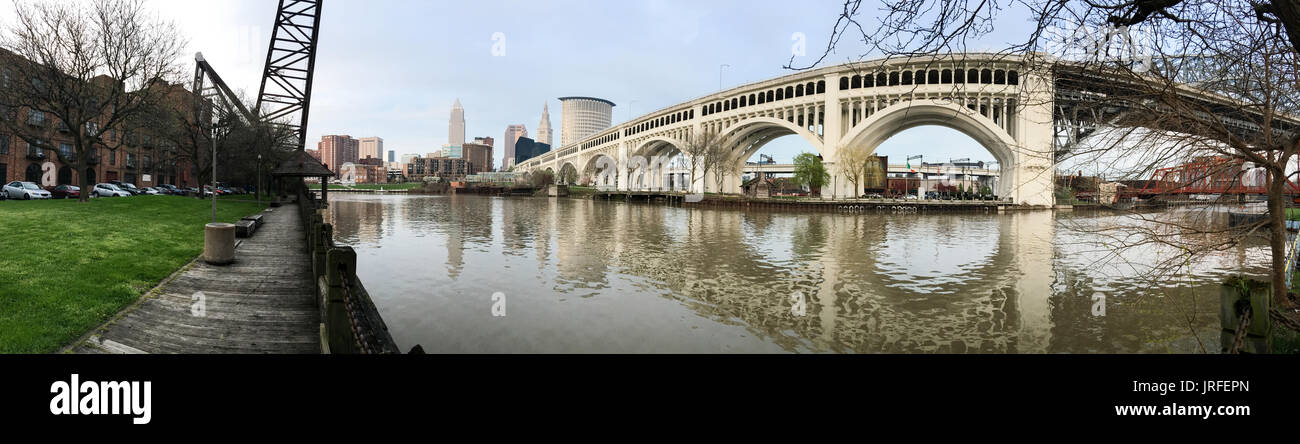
x=259, y=180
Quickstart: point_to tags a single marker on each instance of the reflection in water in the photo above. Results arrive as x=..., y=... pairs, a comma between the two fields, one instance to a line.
x=588, y=276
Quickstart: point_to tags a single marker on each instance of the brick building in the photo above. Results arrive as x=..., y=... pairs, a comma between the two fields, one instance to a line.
x=136, y=156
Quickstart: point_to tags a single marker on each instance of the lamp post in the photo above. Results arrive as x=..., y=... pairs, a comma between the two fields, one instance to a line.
x=214, y=183
x=258, y=191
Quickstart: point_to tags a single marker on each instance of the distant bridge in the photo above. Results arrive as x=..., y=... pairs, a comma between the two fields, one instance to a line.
x=788, y=168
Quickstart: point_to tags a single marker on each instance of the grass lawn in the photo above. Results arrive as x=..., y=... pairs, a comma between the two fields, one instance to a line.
x=66, y=267
x=371, y=186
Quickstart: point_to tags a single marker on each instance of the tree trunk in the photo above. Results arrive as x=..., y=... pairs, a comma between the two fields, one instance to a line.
x=1277, y=238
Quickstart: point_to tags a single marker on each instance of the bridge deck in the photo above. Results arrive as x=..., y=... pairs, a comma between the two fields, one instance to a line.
x=263, y=303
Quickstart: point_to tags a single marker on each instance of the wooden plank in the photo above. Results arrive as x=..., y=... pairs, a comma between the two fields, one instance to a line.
x=264, y=303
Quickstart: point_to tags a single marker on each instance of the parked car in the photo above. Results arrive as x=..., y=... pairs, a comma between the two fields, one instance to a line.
x=65, y=192
x=150, y=191
x=108, y=190
x=173, y=190
x=25, y=190
x=127, y=187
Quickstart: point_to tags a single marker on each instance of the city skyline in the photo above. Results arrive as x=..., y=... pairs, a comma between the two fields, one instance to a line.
x=677, y=59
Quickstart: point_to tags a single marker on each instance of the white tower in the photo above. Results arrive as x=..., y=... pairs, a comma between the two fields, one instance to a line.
x=544, y=129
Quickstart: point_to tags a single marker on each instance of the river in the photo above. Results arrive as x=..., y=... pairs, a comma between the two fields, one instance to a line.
x=470, y=274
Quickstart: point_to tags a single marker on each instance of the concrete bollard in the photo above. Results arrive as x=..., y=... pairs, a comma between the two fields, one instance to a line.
x=219, y=244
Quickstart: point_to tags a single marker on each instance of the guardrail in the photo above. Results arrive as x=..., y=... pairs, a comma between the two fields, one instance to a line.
x=350, y=322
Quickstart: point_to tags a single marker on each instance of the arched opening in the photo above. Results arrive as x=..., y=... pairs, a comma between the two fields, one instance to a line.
x=789, y=92
x=780, y=95
x=752, y=153
x=946, y=76
x=933, y=162
x=568, y=175
x=999, y=77
x=657, y=165
x=798, y=91
x=973, y=76
x=907, y=77
x=65, y=176
x=33, y=174
x=821, y=87
x=945, y=125
x=893, y=79
x=933, y=77
x=1013, y=78
x=882, y=79
x=986, y=76
x=844, y=83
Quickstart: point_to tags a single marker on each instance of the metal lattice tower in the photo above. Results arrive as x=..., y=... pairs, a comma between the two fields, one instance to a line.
x=285, y=95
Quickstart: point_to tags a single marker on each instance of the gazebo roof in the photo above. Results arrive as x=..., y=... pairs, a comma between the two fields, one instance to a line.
x=301, y=164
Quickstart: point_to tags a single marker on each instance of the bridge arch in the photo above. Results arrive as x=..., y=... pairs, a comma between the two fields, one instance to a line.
x=766, y=127
x=892, y=120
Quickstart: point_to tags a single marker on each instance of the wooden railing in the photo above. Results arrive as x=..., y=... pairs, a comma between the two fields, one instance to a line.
x=350, y=323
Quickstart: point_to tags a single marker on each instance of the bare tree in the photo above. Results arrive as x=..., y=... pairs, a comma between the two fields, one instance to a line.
x=85, y=69
x=696, y=149
x=720, y=161
x=853, y=165
x=1183, y=81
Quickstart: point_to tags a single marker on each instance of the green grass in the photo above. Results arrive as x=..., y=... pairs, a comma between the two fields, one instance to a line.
x=66, y=266
x=372, y=186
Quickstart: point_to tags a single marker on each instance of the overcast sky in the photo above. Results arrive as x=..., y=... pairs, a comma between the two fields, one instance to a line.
x=393, y=68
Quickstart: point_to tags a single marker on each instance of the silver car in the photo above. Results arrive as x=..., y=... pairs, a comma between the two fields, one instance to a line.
x=25, y=191
x=108, y=190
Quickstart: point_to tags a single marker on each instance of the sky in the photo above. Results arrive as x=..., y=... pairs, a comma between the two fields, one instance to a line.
x=393, y=68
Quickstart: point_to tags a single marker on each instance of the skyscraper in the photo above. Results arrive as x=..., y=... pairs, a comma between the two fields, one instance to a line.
x=581, y=117
x=371, y=147
x=456, y=131
x=544, y=129
x=513, y=133
x=392, y=156
x=338, y=150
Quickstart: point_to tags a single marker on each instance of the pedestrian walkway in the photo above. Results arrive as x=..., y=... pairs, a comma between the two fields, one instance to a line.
x=263, y=303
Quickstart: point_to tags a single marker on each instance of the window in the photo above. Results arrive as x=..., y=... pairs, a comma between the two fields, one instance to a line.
x=130, y=160
x=112, y=157
x=65, y=150
x=4, y=147
x=147, y=163
x=92, y=129
x=36, y=118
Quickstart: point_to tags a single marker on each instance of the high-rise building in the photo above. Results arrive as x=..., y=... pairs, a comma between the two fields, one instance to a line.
x=526, y=148
x=581, y=117
x=456, y=131
x=392, y=156
x=371, y=147
x=338, y=150
x=544, y=131
x=479, y=156
x=513, y=133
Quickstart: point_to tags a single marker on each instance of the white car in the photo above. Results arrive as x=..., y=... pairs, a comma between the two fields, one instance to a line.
x=108, y=190
x=149, y=191
x=25, y=190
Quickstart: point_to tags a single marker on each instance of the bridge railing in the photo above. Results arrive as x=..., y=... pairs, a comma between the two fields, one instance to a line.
x=350, y=322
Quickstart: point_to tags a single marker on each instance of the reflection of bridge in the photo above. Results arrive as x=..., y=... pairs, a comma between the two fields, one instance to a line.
x=929, y=171
x=1014, y=112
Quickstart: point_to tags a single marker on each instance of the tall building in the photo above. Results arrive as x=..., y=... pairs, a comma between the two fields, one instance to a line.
x=371, y=147
x=544, y=131
x=513, y=133
x=456, y=131
x=479, y=156
x=581, y=117
x=392, y=156
x=338, y=150
x=526, y=149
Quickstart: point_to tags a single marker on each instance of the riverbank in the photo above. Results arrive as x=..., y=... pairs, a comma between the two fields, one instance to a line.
x=69, y=266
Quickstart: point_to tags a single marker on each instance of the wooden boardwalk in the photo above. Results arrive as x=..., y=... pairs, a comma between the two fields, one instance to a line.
x=263, y=303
